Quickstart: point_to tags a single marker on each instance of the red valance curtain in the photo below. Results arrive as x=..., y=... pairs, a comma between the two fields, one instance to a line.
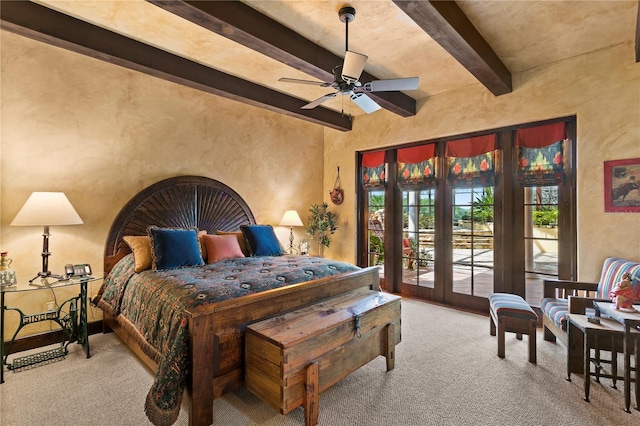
x=373, y=167
x=416, y=167
x=471, y=147
x=541, y=155
x=472, y=162
x=541, y=136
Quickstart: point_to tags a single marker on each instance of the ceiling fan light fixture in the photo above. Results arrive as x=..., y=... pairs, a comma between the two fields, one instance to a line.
x=353, y=66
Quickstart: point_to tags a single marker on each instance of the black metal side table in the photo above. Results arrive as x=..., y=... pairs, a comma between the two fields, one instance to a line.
x=71, y=317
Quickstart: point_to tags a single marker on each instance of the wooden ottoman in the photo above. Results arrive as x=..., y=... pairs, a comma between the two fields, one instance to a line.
x=511, y=313
x=291, y=358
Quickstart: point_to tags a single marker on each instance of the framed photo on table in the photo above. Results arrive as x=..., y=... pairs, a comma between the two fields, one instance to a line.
x=622, y=185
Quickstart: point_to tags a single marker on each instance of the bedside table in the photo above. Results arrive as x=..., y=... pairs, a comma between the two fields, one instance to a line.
x=71, y=316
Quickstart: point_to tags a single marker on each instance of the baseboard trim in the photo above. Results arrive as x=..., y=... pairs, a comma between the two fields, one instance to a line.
x=35, y=341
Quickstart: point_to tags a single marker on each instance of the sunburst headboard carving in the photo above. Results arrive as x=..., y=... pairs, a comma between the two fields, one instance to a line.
x=178, y=202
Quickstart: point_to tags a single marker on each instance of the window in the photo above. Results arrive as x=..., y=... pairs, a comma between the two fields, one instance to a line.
x=373, y=182
x=473, y=241
x=542, y=173
x=375, y=229
x=540, y=238
x=418, y=249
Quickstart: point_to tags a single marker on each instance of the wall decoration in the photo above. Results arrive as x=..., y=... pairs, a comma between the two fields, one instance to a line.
x=622, y=185
x=337, y=193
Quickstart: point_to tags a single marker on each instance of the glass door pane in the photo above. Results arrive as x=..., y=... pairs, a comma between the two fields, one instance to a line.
x=472, y=241
x=418, y=236
x=540, y=239
x=375, y=229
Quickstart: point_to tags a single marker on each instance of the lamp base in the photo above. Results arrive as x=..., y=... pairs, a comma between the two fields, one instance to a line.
x=291, y=249
x=46, y=273
x=44, y=279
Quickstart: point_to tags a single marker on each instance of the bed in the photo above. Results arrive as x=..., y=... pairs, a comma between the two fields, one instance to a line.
x=214, y=331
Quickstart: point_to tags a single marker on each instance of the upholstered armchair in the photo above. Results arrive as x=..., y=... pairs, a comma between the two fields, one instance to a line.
x=561, y=297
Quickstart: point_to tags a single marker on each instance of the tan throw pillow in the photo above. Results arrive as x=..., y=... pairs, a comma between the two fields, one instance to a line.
x=141, y=248
x=203, y=247
x=244, y=246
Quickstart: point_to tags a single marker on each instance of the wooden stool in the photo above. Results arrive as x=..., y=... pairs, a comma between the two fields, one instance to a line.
x=512, y=314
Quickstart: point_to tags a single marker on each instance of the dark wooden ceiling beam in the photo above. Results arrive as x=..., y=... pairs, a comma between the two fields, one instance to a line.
x=49, y=26
x=445, y=22
x=247, y=26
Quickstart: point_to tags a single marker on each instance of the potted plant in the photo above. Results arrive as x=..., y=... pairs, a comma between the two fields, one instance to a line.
x=323, y=223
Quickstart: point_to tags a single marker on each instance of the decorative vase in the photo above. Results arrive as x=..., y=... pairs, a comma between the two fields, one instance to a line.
x=7, y=275
x=5, y=262
x=320, y=250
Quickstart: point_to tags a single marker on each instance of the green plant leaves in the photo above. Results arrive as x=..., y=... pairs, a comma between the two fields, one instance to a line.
x=322, y=222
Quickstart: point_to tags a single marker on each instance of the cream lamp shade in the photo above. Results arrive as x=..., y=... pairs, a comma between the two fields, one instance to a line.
x=46, y=209
x=291, y=219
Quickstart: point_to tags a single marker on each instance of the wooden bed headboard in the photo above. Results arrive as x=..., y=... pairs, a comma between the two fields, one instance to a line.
x=177, y=202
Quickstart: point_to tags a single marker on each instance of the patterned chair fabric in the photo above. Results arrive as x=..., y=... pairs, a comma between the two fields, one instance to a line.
x=511, y=305
x=556, y=310
x=612, y=270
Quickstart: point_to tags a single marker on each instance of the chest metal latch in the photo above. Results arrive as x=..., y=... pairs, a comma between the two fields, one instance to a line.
x=357, y=325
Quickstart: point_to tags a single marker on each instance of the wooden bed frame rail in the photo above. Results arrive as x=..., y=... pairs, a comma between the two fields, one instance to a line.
x=216, y=334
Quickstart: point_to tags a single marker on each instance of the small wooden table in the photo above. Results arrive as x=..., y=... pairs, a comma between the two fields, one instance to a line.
x=631, y=322
x=587, y=335
x=291, y=358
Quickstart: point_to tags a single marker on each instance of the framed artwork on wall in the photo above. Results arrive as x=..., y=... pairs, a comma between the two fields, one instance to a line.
x=622, y=185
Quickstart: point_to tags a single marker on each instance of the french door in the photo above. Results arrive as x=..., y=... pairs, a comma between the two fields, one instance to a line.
x=448, y=257
x=472, y=242
x=418, y=238
x=457, y=244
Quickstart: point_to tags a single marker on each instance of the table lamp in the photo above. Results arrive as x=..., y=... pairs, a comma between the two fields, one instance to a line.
x=46, y=209
x=291, y=219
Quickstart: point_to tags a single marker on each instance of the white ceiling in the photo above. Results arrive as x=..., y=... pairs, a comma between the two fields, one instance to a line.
x=524, y=34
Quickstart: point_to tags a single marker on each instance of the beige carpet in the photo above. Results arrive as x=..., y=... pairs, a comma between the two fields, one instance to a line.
x=447, y=373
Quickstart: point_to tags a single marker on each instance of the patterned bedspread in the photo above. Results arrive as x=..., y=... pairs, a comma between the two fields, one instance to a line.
x=154, y=302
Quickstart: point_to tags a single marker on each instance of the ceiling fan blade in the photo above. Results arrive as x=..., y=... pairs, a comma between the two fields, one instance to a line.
x=318, y=101
x=365, y=103
x=410, y=83
x=353, y=66
x=313, y=83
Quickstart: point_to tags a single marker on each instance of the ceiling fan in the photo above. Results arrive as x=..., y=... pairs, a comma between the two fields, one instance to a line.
x=346, y=77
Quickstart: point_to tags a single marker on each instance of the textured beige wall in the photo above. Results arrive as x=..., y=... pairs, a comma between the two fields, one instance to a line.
x=601, y=88
x=101, y=133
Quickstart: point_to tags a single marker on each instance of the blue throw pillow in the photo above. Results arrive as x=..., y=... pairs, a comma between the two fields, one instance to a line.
x=174, y=248
x=262, y=240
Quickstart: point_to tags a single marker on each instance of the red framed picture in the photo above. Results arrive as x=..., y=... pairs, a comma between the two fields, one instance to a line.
x=622, y=185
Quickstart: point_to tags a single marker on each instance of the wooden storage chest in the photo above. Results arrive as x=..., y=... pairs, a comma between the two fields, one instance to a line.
x=291, y=358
